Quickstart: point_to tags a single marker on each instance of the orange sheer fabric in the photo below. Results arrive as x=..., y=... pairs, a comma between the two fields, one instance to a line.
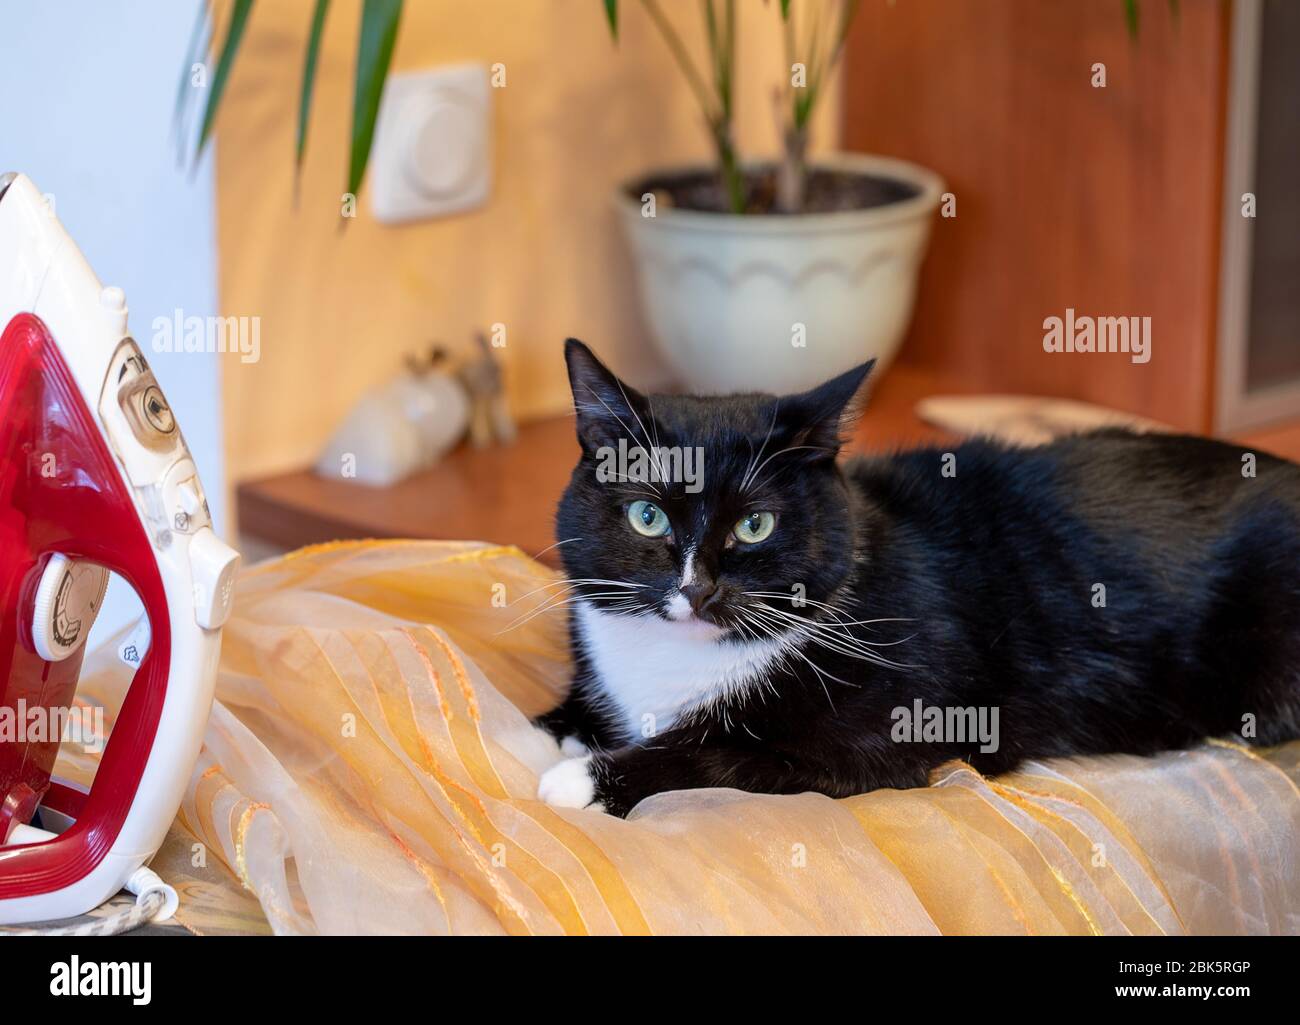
x=370, y=767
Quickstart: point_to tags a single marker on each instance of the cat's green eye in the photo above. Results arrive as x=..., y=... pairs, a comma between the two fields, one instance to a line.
x=754, y=527
x=648, y=519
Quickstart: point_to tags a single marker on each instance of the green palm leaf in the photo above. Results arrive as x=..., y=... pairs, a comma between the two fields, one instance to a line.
x=234, y=35
x=1132, y=14
x=379, y=20
x=198, y=46
x=309, y=80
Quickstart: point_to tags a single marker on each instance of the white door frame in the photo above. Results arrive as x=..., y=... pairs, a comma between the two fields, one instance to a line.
x=1237, y=408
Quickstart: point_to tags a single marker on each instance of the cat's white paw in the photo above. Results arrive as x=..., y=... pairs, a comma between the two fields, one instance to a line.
x=568, y=784
x=572, y=747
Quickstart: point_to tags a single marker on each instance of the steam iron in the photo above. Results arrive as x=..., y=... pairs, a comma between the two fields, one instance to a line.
x=94, y=478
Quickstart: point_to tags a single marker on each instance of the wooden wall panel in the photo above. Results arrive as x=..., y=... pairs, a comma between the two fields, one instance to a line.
x=1106, y=200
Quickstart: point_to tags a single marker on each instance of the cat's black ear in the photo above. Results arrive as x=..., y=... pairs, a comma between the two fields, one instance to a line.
x=606, y=408
x=823, y=417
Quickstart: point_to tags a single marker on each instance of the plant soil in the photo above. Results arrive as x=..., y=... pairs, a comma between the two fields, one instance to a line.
x=828, y=191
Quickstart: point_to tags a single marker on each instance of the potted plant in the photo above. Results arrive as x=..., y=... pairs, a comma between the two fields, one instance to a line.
x=755, y=275
x=772, y=276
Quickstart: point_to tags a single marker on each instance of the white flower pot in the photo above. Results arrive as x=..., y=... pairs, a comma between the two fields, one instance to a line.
x=779, y=303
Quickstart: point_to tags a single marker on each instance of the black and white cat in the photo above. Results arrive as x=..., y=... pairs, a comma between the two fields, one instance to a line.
x=791, y=624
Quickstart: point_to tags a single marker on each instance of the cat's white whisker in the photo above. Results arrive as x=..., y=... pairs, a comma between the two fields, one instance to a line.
x=575, y=582
x=631, y=434
x=817, y=626
x=550, y=548
x=744, y=481
x=653, y=422
x=780, y=452
x=653, y=448
x=793, y=649
x=822, y=634
x=553, y=602
x=836, y=626
x=833, y=609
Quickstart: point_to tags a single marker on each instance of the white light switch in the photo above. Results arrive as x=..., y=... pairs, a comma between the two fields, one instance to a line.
x=432, y=153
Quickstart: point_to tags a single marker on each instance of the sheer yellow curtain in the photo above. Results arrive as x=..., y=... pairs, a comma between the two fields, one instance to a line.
x=370, y=767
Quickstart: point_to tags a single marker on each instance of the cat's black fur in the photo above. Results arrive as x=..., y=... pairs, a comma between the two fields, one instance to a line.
x=990, y=573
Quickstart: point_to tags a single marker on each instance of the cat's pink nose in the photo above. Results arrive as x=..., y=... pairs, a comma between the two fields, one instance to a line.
x=700, y=595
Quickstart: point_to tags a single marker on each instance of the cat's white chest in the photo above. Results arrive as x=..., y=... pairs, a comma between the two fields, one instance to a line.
x=651, y=670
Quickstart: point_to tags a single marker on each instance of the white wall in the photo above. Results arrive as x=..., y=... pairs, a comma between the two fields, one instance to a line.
x=87, y=89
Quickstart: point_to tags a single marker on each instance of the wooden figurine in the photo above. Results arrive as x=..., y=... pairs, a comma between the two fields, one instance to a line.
x=484, y=382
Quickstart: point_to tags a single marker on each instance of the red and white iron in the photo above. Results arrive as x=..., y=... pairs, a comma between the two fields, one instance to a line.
x=94, y=477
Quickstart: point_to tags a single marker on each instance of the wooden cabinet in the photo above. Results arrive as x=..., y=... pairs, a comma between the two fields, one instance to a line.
x=1107, y=200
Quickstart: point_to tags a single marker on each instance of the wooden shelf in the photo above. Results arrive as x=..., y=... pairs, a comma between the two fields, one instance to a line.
x=508, y=495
